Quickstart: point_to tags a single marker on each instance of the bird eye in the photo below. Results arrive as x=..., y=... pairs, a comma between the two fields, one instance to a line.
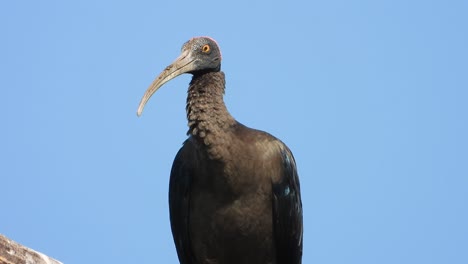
x=206, y=48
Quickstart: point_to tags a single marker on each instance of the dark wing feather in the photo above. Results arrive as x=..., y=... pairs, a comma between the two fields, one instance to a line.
x=287, y=213
x=179, y=202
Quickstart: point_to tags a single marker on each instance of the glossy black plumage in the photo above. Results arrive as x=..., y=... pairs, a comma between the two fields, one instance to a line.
x=234, y=192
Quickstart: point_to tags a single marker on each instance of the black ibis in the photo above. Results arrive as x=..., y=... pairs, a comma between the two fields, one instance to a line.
x=234, y=194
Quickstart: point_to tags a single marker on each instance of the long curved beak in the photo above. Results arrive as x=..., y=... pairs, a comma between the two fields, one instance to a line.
x=183, y=64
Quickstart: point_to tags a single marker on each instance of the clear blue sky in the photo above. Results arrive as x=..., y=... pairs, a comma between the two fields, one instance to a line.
x=371, y=96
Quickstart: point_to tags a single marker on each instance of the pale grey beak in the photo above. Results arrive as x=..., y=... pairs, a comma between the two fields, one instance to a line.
x=183, y=64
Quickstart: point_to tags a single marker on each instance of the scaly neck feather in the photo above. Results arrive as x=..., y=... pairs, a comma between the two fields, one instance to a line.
x=208, y=119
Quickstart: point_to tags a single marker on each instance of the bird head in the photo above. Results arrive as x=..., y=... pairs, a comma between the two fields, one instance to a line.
x=198, y=55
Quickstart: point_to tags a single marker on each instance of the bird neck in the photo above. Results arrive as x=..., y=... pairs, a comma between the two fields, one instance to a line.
x=208, y=118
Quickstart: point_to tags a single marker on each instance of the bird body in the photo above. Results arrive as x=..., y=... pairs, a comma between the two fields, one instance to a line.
x=234, y=193
x=229, y=219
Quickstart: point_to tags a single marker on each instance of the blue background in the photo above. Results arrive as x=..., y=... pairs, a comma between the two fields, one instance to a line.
x=371, y=96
